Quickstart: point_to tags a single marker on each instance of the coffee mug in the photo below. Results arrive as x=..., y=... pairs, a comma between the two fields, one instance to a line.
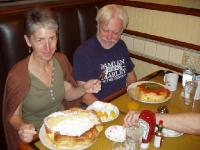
x=171, y=81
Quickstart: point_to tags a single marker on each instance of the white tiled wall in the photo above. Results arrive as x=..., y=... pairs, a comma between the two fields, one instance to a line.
x=175, y=55
x=163, y=52
x=129, y=41
x=139, y=45
x=150, y=49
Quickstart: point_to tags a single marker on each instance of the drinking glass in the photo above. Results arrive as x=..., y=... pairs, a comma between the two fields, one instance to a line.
x=189, y=92
x=133, y=137
x=119, y=146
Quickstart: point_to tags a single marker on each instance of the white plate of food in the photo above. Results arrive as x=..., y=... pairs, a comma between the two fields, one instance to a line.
x=116, y=133
x=69, y=129
x=171, y=133
x=149, y=92
x=46, y=142
x=105, y=111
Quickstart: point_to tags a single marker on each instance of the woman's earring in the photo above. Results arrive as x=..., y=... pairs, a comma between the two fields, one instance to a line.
x=29, y=49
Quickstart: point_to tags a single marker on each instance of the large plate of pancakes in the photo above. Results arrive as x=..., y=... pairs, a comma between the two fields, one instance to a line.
x=149, y=92
x=47, y=143
x=73, y=129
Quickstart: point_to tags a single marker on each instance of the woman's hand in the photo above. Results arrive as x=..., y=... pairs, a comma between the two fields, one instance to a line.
x=26, y=132
x=131, y=118
x=92, y=86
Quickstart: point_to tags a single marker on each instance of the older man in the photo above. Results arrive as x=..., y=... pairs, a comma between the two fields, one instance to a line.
x=105, y=53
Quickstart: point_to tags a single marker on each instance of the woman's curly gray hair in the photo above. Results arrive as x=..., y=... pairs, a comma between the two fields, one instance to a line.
x=40, y=17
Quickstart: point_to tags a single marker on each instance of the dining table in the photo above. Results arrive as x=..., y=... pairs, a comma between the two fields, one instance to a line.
x=121, y=99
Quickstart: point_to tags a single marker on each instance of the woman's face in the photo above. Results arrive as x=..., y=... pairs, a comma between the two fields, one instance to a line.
x=43, y=42
x=109, y=33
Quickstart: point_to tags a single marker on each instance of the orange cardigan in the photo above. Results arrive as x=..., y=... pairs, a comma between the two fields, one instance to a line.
x=16, y=88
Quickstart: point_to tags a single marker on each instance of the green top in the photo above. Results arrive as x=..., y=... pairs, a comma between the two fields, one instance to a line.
x=42, y=100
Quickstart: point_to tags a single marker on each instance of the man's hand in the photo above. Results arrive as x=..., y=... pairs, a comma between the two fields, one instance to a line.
x=92, y=86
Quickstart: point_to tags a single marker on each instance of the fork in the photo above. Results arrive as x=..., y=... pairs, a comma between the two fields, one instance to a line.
x=101, y=76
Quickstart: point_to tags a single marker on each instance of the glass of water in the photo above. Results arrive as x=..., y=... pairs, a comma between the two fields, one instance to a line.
x=133, y=137
x=189, y=92
x=119, y=146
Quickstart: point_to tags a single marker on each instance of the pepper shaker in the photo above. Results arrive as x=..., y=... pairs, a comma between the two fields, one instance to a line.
x=162, y=109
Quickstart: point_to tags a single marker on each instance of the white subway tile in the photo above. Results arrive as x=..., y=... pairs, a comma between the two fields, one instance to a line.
x=150, y=48
x=129, y=42
x=162, y=52
x=138, y=45
x=175, y=55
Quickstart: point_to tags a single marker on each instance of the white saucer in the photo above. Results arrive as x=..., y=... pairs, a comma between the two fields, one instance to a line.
x=170, y=133
x=116, y=133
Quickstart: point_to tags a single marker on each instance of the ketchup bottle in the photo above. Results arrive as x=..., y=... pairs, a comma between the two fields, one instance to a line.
x=148, y=122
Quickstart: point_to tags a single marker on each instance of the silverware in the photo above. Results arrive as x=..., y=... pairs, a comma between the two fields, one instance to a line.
x=101, y=76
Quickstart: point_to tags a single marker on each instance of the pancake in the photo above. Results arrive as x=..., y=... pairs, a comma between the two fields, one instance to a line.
x=72, y=129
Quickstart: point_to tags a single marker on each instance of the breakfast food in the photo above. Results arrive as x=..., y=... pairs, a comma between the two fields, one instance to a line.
x=105, y=111
x=151, y=91
x=72, y=129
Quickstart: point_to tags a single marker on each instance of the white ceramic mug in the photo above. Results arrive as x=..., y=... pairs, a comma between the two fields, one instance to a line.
x=171, y=81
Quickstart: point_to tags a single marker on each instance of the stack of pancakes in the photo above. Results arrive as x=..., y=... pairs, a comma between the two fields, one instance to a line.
x=73, y=129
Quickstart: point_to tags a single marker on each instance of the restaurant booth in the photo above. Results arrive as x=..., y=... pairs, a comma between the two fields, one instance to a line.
x=76, y=24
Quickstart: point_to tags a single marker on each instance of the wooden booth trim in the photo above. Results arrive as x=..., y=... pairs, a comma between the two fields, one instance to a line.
x=160, y=7
x=20, y=7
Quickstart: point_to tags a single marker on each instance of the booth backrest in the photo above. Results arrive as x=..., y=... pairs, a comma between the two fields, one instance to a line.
x=76, y=24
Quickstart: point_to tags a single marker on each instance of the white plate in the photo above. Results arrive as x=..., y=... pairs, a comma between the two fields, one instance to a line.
x=106, y=108
x=116, y=133
x=133, y=95
x=45, y=141
x=170, y=133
